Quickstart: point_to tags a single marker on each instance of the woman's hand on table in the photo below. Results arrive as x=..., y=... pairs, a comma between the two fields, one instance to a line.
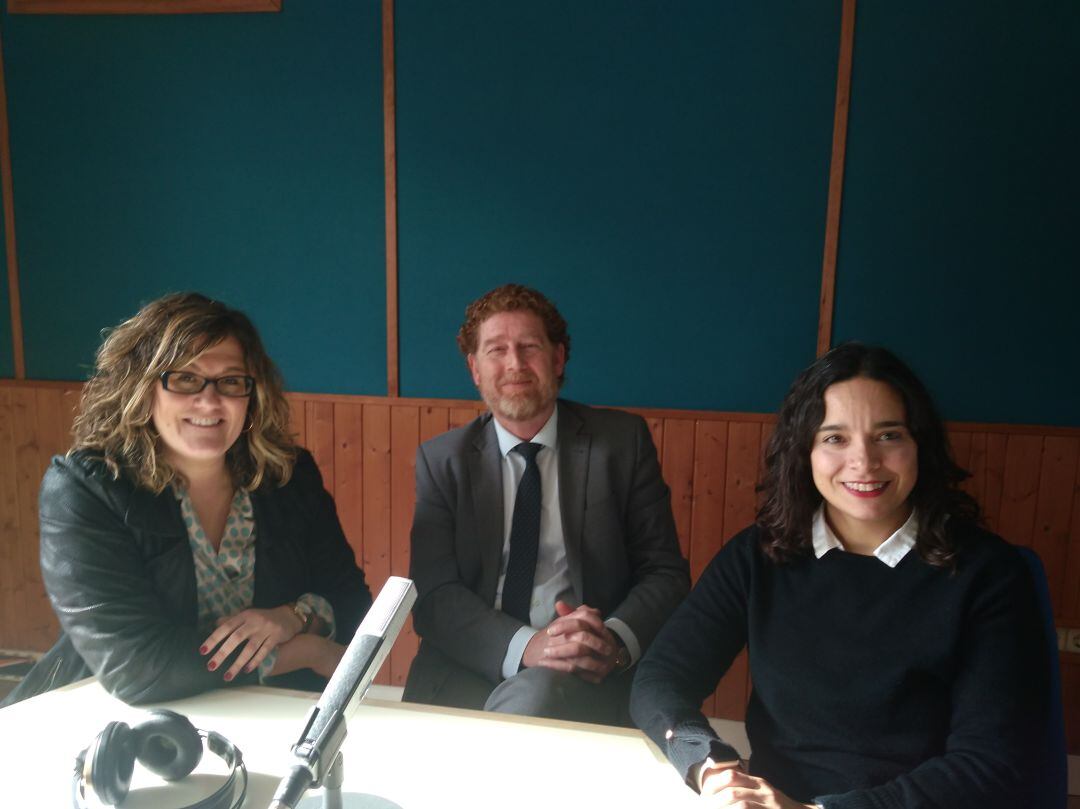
x=258, y=630
x=319, y=654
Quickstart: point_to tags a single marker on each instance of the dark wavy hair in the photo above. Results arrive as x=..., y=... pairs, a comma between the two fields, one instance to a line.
x=791, y=498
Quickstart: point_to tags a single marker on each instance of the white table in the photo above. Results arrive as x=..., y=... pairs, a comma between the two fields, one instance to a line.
x=411, y=755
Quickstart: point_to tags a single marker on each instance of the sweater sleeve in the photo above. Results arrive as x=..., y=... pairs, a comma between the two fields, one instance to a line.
x=998, y=699
x=689, y=656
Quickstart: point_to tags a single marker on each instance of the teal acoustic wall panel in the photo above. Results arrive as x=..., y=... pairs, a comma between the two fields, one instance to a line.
x=958, y=243
x=659, y=169
x=237, y=154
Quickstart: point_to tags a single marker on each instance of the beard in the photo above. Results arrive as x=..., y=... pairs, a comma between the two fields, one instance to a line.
x=522, y=405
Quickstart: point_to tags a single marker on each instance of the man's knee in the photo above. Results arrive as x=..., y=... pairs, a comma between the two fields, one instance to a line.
x=538, y=692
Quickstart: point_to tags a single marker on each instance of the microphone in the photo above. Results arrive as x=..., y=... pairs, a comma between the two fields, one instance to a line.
x=324, y=728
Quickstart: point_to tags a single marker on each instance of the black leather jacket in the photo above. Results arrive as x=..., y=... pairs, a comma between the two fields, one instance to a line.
x=118, y=569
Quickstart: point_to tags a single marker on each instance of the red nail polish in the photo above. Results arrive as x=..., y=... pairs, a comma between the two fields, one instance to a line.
x=228, y=676
x=204, y=649
x=211, y=665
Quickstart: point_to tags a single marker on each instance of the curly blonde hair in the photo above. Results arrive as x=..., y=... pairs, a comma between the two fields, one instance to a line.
x=166, y=334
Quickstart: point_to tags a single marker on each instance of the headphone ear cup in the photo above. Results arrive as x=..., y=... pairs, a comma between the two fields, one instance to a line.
x=112, y=761
x=167, y=744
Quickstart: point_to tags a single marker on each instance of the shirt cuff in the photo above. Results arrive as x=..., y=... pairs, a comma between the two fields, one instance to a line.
x=321, y=607
x=516, y=650
x=627, y=636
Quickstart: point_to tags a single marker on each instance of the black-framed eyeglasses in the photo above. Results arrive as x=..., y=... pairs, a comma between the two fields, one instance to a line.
x=235, y=385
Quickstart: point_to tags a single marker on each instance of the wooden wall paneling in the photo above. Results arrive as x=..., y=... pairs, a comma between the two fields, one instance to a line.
x=377, y=502
x=960, y=447
x=976, y=466
x=740, y=500
x=68, y=412
x=460, y=416
x=433, y=421
x=10, y=550
x=1070, y=606
x=28, y=471
x=319, y=426
x=349, y=473
x=404, y=438
x=707, y=516
x=49, y=403
x=1053, y=512
x=297, y=418
x=993, y=478
x=677, y=464
x=1020, y=488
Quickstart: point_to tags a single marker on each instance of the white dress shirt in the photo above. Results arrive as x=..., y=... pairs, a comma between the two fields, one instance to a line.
x=891, y=551
x=551, y=582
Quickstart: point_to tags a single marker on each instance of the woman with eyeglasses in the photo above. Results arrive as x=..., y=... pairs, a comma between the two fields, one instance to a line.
x=186, y=542
x=895, y=645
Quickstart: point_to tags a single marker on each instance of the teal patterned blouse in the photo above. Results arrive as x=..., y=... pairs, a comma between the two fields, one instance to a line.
x=225, y=579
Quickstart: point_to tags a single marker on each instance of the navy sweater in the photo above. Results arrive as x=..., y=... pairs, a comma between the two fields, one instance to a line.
x=874, y=686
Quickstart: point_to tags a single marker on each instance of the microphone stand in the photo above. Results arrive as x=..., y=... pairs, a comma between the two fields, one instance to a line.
x=317, y=756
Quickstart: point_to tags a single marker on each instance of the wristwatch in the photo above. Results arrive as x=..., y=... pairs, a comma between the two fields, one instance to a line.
x=622, y=656
x=304, y=613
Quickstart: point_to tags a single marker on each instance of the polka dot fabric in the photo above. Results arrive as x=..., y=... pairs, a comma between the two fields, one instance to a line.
x=225, y=578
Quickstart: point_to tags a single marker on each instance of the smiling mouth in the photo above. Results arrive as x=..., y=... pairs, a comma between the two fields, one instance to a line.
x=869, y=489
x=198, y=422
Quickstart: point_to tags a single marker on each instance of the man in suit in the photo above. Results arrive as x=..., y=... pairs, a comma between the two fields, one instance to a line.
x=543, y=543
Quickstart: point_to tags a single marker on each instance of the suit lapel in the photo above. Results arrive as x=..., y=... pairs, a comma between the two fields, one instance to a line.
x=574, y=443
x=485, y=476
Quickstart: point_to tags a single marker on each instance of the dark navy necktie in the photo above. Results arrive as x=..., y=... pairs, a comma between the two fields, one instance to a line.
x=524, y=538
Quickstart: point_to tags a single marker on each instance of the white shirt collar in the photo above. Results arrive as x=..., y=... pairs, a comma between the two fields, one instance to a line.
x=547, y=436
x=891, y=551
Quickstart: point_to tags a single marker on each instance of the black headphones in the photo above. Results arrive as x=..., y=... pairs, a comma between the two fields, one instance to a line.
x=167, y=744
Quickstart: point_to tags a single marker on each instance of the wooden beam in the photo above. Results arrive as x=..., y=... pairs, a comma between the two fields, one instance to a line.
x=836, y=177
x=390, y=173
x=7, y=190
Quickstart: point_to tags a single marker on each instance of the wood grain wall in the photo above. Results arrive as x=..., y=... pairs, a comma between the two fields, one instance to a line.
x=1027, y=479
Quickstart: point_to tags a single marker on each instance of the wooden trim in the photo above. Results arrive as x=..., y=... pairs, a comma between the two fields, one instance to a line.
x=141, y=6
x=8, y=193
x=646, y=412
x=836, y=178
x=390, y=173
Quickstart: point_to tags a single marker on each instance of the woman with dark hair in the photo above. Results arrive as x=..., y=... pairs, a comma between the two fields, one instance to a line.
x=894, y=644
x=186, y=541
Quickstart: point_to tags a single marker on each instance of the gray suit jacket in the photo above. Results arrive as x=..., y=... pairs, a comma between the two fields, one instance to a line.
x=621, y=545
